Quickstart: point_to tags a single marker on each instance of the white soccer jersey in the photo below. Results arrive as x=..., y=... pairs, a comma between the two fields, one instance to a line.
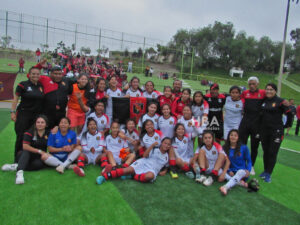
x=199, y=111
x=145, y=117
x=102, y=122
x=89, y=141
x=213, y=153
x=132, y=93
x=117, y=93
x=115, y=145
x=134, y=135
x=166, y=126
x=147, y=141
x=154, y=94
x=154, y=163
x=182, y=149
x=233, y=112
x=190, y=130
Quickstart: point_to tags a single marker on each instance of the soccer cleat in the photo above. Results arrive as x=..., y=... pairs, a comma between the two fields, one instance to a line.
x=79, y=171
x=268, y=178
x=174, y=175
x=9, y=167
x=252, y=172
x=190, y=174
x=100, y=180
x=263, y=175
x=208, y=181
x=60, y=169
x=200, y=179
x=20, y=177
x=71, y=166
x=106, y=169
x=223, y=190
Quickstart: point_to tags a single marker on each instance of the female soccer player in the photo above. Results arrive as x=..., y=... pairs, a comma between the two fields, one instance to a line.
x=151, y=115
x=240, y=161
x=75, y=112
x=148, y=136
x=92, y=143
x=31, y=105
x=166, y=98
x=114, y=144
x=271, y=129
x=181, y=154
x=99, y=92
x=179, y=103
x=130, y=134
x=150, y=92
x=145, y=169
x=233, y=110
x=167, y=122
x=61, y=147
x=211, y=159
x=134, y=88
x=34, y=150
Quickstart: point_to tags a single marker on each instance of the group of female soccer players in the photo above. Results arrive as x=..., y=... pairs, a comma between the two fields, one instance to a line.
x=162, y=139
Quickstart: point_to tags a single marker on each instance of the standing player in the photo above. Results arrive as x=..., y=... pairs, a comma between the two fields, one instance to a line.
x=134, y=88
x=177, y=85
x=290, y=116
x=298, y=120
x=166, y=98
x=145, y=169
x=179, y=103
x=113, y=91
x=167, y=122
x=249, y=126
x=216, y=103
x=99, y=92
x=151, y=115
x=233, y=110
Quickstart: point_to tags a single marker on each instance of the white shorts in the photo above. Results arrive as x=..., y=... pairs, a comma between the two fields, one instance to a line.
x=140, y=166
x=229, y=127
x=185, y=158
x=92, y=157
x=117, y=158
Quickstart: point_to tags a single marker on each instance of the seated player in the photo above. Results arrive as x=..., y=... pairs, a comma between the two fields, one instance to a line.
x=148, y=136
x=145, y=169
x=167, y=97
x=150, y=92
x=167, y=122
x=61, y=147
x=130, y=134
x=240, y=162
x=151, y=115
x=211, y=159
x=134, y=88
x=113, y=146
x=181, y=154
x=92, y=143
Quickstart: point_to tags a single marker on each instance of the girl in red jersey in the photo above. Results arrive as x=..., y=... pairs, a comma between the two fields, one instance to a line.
x=166, y=98
x=179, y=103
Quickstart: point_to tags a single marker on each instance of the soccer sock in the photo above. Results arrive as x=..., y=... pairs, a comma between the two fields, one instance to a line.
x=125, y=165
x=141, y=151
x=235, y=179
x=114, y=174
x=140, y=177
x=52, y=161
x=71, y=157
x=80, y=161
x=172, y=163
x=103, y=161
x=185, y=167
x=202, y=171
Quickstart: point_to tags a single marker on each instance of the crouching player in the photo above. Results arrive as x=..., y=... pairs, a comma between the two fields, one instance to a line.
x=115, y=146
x=212, y=160
x=145, y=169
x=91, y=143
x=240, y=161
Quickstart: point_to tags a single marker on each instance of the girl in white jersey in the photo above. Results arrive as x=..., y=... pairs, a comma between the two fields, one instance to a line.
x=150, y=92
x=113, y=91
x=91, y=143
x=233, y=110
x=211, y=160
x=167, y=122
x=115, y=146
x=130, y=134
x=145, y=169
x=151, y=115
x=134, y=88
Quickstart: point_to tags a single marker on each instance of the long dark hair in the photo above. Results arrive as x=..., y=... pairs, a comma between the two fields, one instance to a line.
x=207, y=132
x=226, y=146
x=143, y=130
x=89, y=120
x=87, y=86
x=196, y=93
x=34, y=125
x=127, y=121
x=175, y=128
x=135, y=78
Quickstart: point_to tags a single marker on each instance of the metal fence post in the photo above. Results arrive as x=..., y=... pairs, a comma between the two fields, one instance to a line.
x=6, y=24
x=75, y=36
x=122, y=41
x=47, y=33
x=20, y=30
x=181, y=69
x=100, y=39
x=192, y=62
x=143, y=57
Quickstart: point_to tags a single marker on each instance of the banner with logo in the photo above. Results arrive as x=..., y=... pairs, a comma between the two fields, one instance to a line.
x=7, y=81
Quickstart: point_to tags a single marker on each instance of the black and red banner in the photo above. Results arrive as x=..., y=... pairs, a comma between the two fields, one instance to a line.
x=7, y=81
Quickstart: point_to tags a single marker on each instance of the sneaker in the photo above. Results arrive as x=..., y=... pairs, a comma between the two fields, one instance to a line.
x=223, y=190
x=9, y=167
x=60, y=169
x=100, y=180
x=71, y=166
x=208, y=181
x=79, y=171
x=200, y=179
x=174, y=175
x=252, y=172
x=20, y=177
x=268, y=178
x=190, y=174
x=263, y=175
x=106, y=169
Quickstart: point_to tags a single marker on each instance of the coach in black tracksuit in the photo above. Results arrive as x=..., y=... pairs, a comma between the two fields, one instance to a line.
x=271, y=129
x=32, y=96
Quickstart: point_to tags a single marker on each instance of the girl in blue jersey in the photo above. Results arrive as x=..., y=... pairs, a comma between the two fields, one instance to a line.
x=240, y=161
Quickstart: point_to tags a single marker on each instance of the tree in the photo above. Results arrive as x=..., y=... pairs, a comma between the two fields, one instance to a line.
x=44, y=47
x=5, y=41
x=126, y=52
x=295, y=38
x=85, y=50
x=73, y=47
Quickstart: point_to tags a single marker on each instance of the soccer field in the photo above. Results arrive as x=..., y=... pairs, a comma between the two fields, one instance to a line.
x=51, y=198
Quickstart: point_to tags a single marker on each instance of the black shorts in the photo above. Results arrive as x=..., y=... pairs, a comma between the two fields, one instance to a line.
x=289, y=122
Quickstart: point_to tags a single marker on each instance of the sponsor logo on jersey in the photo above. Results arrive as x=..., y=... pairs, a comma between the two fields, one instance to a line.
x=190, y=124
x=274, y=104
x=69, y=140
x=184, y=141
x=119, y=141
x=56, y=141
x=214, y=152
x=219, y=100
x=237, y=106
x=156, y=138
x=133, y=136
x=137, y=95
x=171, y=122
x=153, y=95
x=46, y=137
x=201, y=108
x=97, y=138
x=29, y=89
x=277, y=140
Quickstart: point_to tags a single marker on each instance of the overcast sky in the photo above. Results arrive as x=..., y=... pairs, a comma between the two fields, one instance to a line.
x=162, y=18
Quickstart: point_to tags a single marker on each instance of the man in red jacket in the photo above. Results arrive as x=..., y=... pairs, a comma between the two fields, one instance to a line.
x=38, y=55
x=298, y=120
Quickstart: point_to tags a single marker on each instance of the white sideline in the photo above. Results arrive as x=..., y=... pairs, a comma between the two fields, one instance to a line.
x=290, y=150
